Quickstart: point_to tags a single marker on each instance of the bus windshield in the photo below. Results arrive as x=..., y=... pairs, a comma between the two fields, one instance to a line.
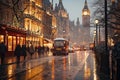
x=58, y=43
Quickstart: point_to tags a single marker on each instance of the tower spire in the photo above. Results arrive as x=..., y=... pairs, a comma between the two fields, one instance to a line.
x=52, y=2
x=60, y=5
x=85, y=5
x=60, y=0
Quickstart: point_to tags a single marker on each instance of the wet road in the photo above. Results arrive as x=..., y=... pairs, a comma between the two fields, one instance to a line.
x=76, y=66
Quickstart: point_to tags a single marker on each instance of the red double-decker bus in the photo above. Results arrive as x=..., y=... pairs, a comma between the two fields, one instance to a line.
x=60, y=46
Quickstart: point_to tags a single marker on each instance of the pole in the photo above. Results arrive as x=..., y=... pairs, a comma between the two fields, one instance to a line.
x=96, y=36
x=94, y=41
x=99, y=35
x=106, y=55
x=106, y=30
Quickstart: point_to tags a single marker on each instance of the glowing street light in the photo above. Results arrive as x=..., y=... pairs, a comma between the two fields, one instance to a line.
x=96, y=24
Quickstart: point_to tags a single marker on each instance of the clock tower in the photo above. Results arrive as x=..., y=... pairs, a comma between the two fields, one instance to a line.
x=86, y=24
x=86, y=15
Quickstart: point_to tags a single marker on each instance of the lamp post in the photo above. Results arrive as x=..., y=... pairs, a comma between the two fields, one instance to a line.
x=106, y=54
x=106, y=31
x=99, y=35
x=94, y=35
x=96, y=24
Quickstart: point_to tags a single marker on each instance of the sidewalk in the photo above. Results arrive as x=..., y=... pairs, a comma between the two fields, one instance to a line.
x=12, y=59
x=10, y=68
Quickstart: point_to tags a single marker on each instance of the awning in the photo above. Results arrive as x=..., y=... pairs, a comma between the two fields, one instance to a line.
x=47, y=41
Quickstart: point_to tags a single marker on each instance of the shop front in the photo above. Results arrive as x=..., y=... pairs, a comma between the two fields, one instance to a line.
x=12, y=36
x=34, y=40
x=48, y=43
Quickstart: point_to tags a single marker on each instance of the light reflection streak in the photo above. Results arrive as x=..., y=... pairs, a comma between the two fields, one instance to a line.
x=53, y=69
x=35, y=71
x=87, y=72
x=10, y=79
x=69, y=62
x=10, y=70
x=94, y=68
x=64, y=64
x=64, y=68
x=29, y=67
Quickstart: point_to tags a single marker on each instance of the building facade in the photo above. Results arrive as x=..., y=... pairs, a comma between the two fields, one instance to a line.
x=10, y=33
x=25, y=22
x=33, y=21
x=62, y=20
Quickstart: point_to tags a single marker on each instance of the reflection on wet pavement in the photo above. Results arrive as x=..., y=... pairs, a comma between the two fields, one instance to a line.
x=75, y=66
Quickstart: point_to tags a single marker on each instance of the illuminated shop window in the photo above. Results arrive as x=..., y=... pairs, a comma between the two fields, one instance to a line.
x=32, y=0
x=1, y=38
x=9, y=43
x=18, y=40
x=14, y=42
x=21, y=40
x=24, y=40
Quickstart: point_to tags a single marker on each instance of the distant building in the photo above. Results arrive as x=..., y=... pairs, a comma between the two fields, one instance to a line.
x=80, y=33
x=72, y=32
x=62, y=20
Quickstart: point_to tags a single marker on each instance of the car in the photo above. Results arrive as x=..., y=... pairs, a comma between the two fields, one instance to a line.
x=71, y=50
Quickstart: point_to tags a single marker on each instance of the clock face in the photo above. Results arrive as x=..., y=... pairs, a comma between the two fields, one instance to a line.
x=85, y=13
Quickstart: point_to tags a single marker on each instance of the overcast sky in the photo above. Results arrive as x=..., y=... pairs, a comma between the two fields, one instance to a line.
x=74, y=7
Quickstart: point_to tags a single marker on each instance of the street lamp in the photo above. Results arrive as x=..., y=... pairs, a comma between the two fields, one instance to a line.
x=96, y=24
x=63, y=33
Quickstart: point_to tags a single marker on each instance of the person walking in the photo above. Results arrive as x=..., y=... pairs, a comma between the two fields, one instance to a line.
x=3, y=50
x=24, y=53
x=17, y=53
x=39, y=50
x=116, y=58
x=31, y=50
x=42, y=50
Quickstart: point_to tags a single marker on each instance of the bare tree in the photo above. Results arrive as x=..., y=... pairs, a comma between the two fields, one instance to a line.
x=113, y=13
x=19, y=6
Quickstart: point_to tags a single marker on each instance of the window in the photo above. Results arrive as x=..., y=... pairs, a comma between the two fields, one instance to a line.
x=9, y=43
x=14, y=42
x=21, y=40
x=59, y=43
x=1, y=38
x=18, y=40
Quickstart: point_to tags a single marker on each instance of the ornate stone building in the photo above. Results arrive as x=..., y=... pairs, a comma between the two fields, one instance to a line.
x=25, y=22
x=33, y=21
x=62, y=20
x=10, y=33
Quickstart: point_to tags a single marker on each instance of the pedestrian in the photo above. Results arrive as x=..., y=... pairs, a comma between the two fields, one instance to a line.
x=24, y=53
x=116, y=58
x=39, y=50
x=36, y=48
x=47, y=49
x=31, y=50
x=17, y=53
x=42, y=50
x=116, y=47
x=3, y=50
